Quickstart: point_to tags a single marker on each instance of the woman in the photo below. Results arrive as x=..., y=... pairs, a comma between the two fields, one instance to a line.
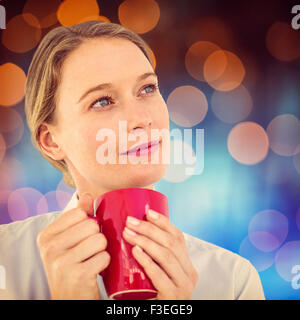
x=82, y=79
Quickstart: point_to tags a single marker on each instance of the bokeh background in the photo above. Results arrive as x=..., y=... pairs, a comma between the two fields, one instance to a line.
x=228, y=68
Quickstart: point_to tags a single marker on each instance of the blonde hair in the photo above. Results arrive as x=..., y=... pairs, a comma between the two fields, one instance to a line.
x=43, y=76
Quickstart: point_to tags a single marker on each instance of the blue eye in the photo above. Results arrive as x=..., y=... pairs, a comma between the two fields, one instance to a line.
x=153, y=87
x=100, y=100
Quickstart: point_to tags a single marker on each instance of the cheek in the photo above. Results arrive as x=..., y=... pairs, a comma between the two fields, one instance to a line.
x=81, y=144
x=166, y=118
x=162, y=114
x=91, y=139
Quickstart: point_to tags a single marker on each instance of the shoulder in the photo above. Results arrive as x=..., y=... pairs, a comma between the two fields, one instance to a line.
x=199, y=248
x=223, y=273
x=24, y=274
x=31, y=226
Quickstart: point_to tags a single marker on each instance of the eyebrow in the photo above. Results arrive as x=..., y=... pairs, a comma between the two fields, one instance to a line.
x=109, y=85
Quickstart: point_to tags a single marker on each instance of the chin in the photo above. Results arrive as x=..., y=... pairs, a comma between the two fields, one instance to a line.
x=146, y=175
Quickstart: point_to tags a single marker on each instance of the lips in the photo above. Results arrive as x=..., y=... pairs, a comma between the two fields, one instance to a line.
x=142, y=146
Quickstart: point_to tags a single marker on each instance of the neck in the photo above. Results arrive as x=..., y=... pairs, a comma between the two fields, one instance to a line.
x=96, y=190
x=98, y=194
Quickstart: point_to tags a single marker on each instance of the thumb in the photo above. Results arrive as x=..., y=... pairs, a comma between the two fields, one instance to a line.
x=86, y=203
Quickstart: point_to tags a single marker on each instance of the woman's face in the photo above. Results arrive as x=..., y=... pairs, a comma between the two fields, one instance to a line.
x=83, y=110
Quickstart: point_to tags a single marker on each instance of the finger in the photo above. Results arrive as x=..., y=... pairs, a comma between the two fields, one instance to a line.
x=88, y=247
x=72, y=237
x=63, y=222
x=96, y=263
x=164, y=257
x=174, y=244
x=86, y=203
x=159, y=278
x=157, y=234
x=162, y=222
x=71, y=217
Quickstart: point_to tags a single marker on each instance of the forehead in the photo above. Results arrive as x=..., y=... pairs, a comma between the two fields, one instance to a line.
x=104, y=60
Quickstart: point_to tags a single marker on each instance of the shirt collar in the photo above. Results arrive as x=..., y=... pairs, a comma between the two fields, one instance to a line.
x=72, y=203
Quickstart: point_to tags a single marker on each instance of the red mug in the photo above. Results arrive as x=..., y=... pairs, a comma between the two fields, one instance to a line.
x=124, y=278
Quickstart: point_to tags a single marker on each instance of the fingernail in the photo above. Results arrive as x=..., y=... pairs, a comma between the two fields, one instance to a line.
x=130, y=232
x=153, y=214
x=133, y=221
x=147, y=208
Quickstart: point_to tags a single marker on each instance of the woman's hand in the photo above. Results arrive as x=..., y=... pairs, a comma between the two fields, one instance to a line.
x=73, y=253
x=163, y=256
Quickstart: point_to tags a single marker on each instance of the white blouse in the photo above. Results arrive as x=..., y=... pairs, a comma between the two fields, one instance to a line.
x=222, y=273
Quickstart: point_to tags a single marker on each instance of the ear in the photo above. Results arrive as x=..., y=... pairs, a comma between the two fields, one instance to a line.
x=48, y=144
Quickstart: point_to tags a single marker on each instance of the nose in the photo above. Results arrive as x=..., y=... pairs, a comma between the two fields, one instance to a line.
x=138, y=117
